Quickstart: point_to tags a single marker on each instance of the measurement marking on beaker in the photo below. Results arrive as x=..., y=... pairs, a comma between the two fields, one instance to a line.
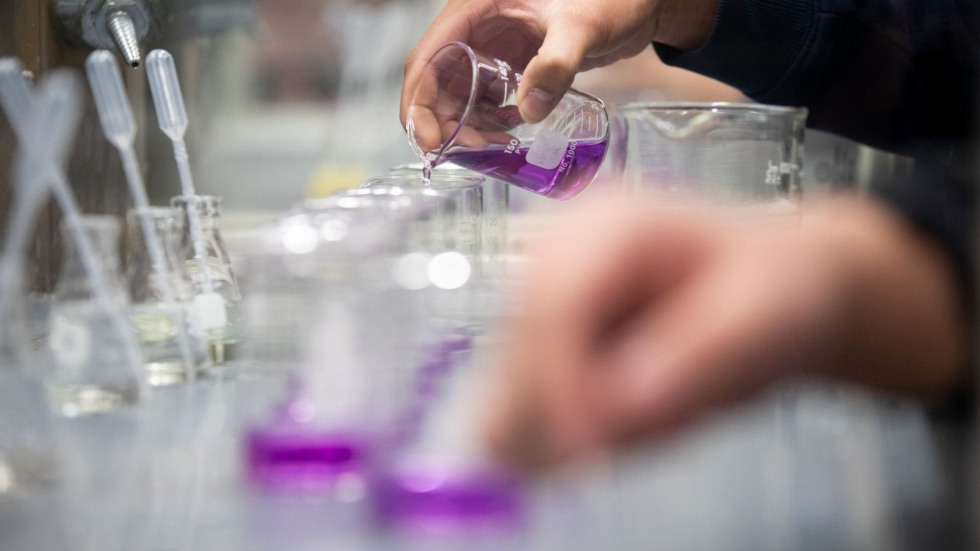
x=774, y=172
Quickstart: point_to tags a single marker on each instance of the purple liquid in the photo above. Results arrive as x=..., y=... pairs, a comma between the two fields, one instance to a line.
x=432, y=496
x=573, y=174
x=438, y=365
x=298, y=457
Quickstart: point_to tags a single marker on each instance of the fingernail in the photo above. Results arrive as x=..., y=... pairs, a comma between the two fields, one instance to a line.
x=537, y=104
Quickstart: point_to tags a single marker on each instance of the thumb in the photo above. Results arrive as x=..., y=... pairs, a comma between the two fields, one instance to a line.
x=550, y=73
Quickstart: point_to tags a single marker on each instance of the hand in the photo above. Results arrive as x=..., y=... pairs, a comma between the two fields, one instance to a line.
x=552, y=40
x=636, y=321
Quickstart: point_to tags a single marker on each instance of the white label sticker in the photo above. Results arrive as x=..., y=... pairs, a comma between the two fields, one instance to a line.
x=70, y=342
x=547, y=149
x=209, y=311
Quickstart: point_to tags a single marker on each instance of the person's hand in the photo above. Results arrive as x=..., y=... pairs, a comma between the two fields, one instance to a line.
x=552, y=40
x=634, y=321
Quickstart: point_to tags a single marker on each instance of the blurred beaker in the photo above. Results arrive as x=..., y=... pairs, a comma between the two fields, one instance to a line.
x=174, y=346
x=717, y=152
x=223, y=327
x=27, y=452
x=323, y=283
x=435, y=487
x=447, y=238
x=94, y=354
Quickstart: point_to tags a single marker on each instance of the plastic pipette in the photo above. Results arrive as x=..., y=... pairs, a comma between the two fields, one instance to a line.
x=15, y=97
x=119, y=127
x=45, y=126
x=169, y=105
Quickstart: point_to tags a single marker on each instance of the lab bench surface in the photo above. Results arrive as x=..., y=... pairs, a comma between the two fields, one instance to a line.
x=808, y=467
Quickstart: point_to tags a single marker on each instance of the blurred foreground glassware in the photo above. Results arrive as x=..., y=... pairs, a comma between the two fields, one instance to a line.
x=221, y=322
x=27, y=448
x=444, y=244
x=94, y=359
x=459, y=226
x=496, y=205
x=740, y=153
x=435, y=489
x=174, y=347
x=353, y=333
x=464, y=111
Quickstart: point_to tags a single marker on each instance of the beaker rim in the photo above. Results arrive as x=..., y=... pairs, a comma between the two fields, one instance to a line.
x=438, y=181
x=675, y=105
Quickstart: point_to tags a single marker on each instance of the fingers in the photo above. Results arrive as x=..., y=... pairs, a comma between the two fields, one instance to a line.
x=451, y=25
x=637, y=323
x=550, y=73
x=554, y=377
x=456, y=22
x=710, y=344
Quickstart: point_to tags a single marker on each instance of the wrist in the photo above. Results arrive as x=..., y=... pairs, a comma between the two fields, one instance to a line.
x=901, y=327
x=684, y=24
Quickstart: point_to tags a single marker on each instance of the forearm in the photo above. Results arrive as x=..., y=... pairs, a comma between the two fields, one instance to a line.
x=684, y=25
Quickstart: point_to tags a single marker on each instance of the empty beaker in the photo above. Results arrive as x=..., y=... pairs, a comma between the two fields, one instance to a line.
x=212, y=276
x=464, y=111
x=741, y=153
x=95, y=358
x=174, y=347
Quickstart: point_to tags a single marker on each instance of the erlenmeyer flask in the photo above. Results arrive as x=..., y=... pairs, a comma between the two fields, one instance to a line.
x=223, y=328
x=174, y=347
x=94, y=354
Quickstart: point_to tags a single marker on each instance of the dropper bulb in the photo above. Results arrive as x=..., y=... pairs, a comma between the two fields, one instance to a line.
x=15, y=95
x=167, y=100
x=110, y=98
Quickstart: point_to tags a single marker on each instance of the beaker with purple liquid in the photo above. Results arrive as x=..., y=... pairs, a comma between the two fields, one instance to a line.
x=352, y=334
x=434, y=487
x=464, y=111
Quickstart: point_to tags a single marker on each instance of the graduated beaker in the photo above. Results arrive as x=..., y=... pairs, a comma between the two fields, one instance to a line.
x=464, y=111
x=435, y=487
x=741, y=153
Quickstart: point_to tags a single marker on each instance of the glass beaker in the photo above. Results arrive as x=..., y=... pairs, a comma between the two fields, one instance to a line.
x=496, y=206
x=15, y=333
x=27, y=446
x=95, y=358
x=464, y=111
x=442, y=247
x=353, y=337
x=435, y=488
x=210, y=276
x=458, y=225
x=741, y=153
x=174, y=347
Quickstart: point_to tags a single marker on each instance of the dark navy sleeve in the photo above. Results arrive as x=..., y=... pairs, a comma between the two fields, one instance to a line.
x=900, y=75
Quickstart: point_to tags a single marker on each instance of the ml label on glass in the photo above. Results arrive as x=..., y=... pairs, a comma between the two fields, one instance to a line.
x=70, y=341
x=547, y=150
x=209, y=311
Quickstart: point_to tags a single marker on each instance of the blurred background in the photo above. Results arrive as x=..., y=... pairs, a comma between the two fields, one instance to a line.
x=294, y=99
